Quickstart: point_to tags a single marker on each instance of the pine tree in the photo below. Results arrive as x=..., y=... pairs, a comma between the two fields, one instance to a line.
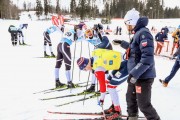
x=39, y=8
x=73, y=7
x=46, y=8
x=8, y=10
x=57, y=7
x=82, y=8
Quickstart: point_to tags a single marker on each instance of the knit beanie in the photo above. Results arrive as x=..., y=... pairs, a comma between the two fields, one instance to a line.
x=82, y=62
x=131, y=17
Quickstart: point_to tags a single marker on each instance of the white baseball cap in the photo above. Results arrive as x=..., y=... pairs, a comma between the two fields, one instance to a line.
x=131, y=17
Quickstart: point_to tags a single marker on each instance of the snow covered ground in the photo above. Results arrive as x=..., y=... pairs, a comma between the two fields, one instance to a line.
x=22, y=73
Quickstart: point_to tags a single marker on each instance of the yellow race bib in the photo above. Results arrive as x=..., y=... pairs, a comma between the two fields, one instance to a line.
x=108, y=59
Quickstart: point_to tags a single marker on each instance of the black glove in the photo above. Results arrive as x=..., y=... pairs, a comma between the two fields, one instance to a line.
x=95, y=27
x=62, y=29
x=100, y=26
x=116, y=42
x=131, y=79
x=109, y=77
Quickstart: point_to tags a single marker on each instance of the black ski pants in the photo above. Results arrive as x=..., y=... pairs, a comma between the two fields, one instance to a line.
x=139, y=96
x=63, y=53
x=14, y=37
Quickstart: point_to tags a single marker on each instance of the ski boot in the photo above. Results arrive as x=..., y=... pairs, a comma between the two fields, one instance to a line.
x=20, y=43
x=59, y=84
x=90, y=89
x=116, y=115
x=15, y=43
x=70, y=85
x=24, y=43
x=45, y=55
x=163, y=82
x=109, y=110
x=52, y=54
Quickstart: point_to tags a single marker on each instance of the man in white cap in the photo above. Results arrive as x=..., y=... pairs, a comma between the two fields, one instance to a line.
x=141, y=67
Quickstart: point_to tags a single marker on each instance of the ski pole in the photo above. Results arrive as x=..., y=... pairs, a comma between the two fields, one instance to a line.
x=80, y=56
x=73, y=63
x=88, y=75
x=103, y=112
x=97, y=88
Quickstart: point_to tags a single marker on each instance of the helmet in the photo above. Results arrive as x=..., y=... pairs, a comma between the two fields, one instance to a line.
x=131, y=17
x=69, y=35
x=89, y=33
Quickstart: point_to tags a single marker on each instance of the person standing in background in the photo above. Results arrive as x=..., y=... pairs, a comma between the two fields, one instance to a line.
x=176, y=36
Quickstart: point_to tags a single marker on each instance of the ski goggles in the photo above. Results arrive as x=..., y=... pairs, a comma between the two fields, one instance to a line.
x=127, y=22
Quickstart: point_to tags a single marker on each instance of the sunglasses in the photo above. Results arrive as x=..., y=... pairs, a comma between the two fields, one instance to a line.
x=125, y=22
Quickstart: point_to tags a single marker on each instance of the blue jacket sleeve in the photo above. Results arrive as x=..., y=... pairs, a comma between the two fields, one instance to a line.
x=146, y=46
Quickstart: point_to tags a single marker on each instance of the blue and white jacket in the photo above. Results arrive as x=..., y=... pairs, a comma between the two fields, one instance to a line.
x=52, y=29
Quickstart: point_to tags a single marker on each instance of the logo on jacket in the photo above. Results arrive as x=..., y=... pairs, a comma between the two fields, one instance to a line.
x=144, y=43
x=138, y=89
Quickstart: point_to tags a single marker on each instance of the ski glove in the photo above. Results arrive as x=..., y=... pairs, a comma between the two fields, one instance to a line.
x=131, y=79
x=100, y=102
x=116, y=42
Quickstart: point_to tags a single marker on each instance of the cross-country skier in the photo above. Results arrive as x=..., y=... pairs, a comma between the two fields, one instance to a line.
x=13, y=31
x=47, y=39
x=141, y=67
x=99, y=42
x=64, y=54
x=20, y=33
x=119, y=75
x=175, y=67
